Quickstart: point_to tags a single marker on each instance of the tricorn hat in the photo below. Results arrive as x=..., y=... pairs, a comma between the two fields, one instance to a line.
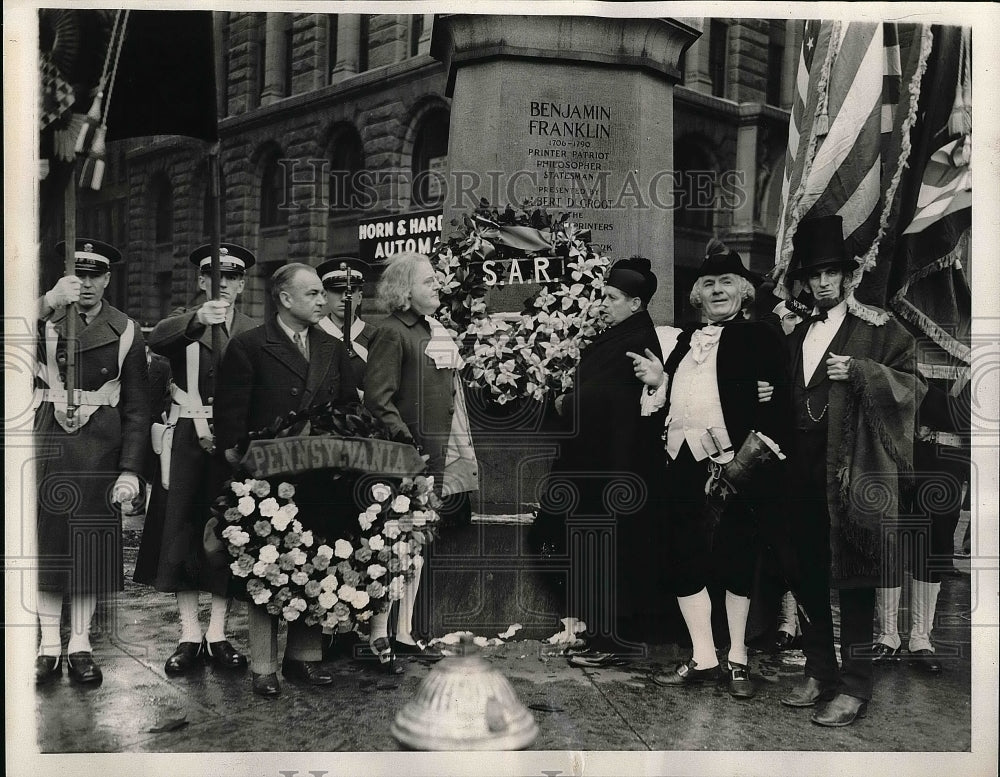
x=232, y=258
x=92, y=255
x=335, y=272
x=819, y=243
x=721, y=260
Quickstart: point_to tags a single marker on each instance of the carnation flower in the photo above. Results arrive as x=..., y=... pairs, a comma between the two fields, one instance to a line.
x=342, y=611
x=375, y=571
x=321, y=562
x=346, y=592
x=401, y=548
x=364, y=616
x=327, y=599
x=286, y=490
x=406, y=524
x=260, y=569
x=351, y=577
x=298, y=556
x=364, y=555
x=246, y=505
x=261, y=488
x=401, y=504
x=376, y=543
x=312, y=589
x=240, y=489
x=262, y=528
x=307, y=539
x=232, y=515
x=396, y=587
x=375, y=589
x=381, y=492
x=419, y=518
x=366, y=520
x=269, y=507
x=292, y=539
x=240, y=568
x=263, y=596
x=360, y=600
x=324, y=550
x=290, y=613
x=329, y=583
x=395, y=565
x=298, y=603
x=286, y=561
x=268, y=553
x=238, y=538
x=391, y=529
x=343, y=549
x=300, y=578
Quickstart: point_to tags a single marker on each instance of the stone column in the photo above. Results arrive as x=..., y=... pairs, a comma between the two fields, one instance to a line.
x=348, y=32
x=424, y=44
x=696, y=62
x=275, y=52
x=574, y=114
x=790, y=63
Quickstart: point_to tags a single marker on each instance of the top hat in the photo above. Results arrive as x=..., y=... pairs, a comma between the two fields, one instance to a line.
x=721, y=260
x=232, y=258
x=93, y=256
x=819, y=243
x=334, y=272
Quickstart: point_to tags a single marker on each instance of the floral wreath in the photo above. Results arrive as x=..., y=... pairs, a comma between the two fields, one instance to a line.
x=295, y=573
x=536, y=352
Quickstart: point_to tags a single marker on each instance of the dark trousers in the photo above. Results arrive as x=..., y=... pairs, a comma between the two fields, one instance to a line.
x=857, y=605
x=698, y=554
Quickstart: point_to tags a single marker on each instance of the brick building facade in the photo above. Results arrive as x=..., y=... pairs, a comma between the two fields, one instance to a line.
x=310, y=98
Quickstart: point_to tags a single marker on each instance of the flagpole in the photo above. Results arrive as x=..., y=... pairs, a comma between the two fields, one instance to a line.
x=216, y=194
x=69, y=239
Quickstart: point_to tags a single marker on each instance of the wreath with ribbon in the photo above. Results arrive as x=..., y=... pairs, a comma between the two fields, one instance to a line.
x=293, y=572
x=531, y=354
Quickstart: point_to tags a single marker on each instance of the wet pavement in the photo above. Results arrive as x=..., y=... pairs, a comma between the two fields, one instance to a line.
x=138, y=709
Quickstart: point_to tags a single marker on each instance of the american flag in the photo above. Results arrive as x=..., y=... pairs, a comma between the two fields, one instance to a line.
x=848, y=86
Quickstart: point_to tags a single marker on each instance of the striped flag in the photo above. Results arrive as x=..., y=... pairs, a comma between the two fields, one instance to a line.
x=848, y=87
x=946, y=186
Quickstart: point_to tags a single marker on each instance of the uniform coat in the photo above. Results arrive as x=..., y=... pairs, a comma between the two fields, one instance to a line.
x=171, y=554
x=77, y=471
x=611, y=462
x=364, y=338
x=404, y=388
x=264, y=377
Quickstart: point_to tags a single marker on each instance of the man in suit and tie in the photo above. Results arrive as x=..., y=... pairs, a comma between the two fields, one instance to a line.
x=855, y=390
x=283, y=365
x=85, y=456
x=172, y=555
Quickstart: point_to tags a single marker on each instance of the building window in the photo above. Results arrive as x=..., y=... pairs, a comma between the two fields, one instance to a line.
x=694, y=187
x=430, y=160
x=208, y=207
x=261, y=53
x=416, y=31
x=346, y=161
x=273, y=210
x=718, y=44
x=289, y=59
x=164, y=227
x=775, y=62
x=331, y=46
x=364, y=38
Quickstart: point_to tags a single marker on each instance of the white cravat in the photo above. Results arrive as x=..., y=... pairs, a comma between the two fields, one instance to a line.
x=695, y=404
x=818, y=339
x=441, y=348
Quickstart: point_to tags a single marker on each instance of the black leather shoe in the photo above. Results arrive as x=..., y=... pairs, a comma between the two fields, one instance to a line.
x=265, y=684
x=842, y=711
x=223, y=655
x=83, y=670
x=883, y=655
x=421, y=650
x=310, y=672
x=740, y=686
x=688, y=674
x=807, y=693
x=784, y=641
x=47, y=669
x=925, y=661
x=183, y=659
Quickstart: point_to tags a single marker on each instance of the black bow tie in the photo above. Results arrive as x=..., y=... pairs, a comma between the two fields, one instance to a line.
x=821, y=316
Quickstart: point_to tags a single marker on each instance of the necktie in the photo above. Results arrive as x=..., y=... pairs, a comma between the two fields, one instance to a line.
x=83, y=318
x=300, y=342
x=820, y=316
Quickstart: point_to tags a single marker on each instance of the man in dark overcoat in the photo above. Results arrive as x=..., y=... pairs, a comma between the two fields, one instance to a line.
x=283, y=365
x=855, y=393
x=86, y=460
x=172, y=552
x=609, y=469
x=710, y=388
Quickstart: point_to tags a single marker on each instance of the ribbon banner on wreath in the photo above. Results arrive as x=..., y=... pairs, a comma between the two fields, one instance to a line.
x=531, y=354
x=282, y=565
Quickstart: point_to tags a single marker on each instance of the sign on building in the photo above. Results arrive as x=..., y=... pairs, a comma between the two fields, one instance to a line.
x=380, y=238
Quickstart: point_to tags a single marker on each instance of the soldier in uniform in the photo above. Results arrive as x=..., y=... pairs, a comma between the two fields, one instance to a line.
x=87, y=459
x=343, y=278
x=172, y=556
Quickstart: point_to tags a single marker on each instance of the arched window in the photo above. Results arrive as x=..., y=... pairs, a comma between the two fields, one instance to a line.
x=273, y=202
x=208, y=206
x=430, y=160
x=163, y=250
x=347, y=160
